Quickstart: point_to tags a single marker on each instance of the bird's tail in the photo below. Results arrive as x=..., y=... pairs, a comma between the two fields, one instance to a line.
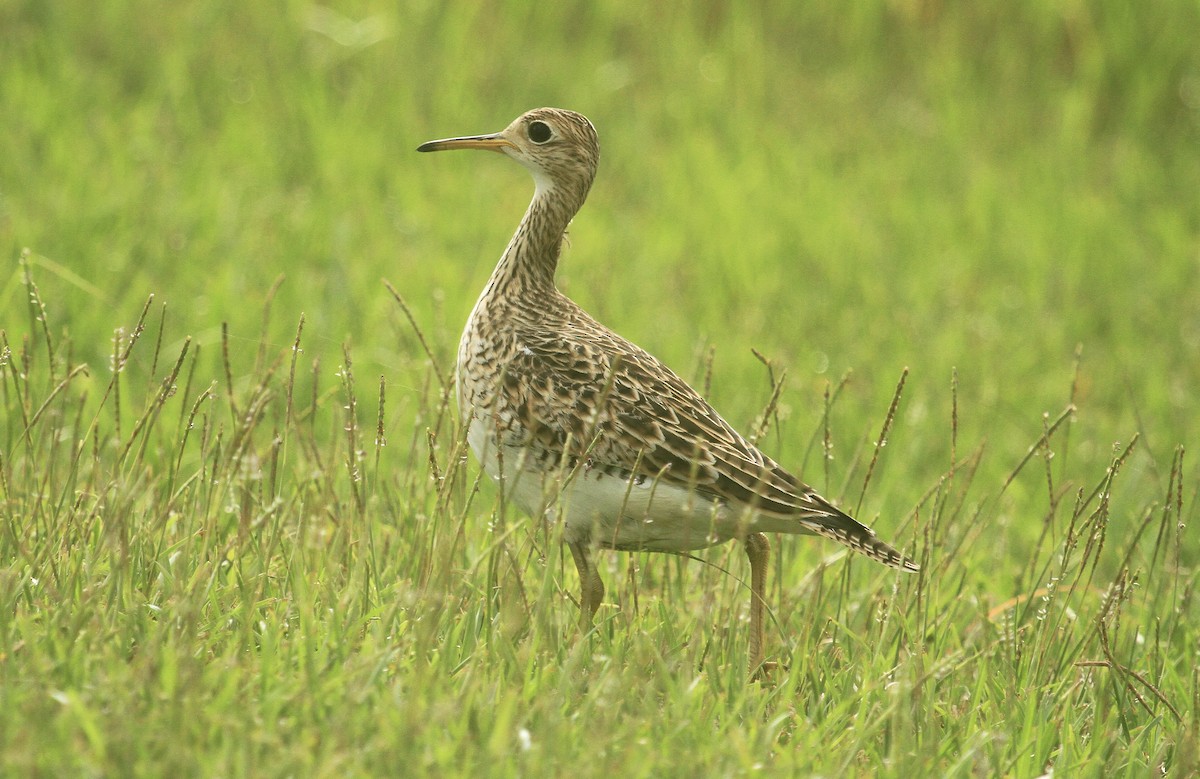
x=822, y=518
x=862, y=539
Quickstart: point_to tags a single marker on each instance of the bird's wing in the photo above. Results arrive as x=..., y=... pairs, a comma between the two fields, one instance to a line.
x=621, y=408
x=588, y=396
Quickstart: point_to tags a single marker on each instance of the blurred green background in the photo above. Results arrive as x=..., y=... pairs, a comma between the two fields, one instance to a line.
x=865, y=187
x=845, y=189
x=1009, y=191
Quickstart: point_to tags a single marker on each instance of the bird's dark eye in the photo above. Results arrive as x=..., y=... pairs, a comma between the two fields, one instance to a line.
x=539, y=132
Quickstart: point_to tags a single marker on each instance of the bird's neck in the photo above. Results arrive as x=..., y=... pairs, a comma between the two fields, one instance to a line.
x=528, y=265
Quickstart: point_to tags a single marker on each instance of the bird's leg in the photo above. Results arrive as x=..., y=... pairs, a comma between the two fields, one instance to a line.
x=591, y=589
x=758, y=549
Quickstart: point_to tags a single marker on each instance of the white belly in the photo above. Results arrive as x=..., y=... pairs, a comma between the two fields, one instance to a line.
x=605, y=509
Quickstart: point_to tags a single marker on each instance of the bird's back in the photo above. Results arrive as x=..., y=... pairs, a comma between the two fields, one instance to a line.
x=562, y=397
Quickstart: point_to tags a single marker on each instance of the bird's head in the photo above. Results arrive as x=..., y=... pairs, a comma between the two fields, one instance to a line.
x=558, y=147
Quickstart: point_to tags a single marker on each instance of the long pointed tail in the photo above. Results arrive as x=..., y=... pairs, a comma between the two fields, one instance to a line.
x=862, y=539
x=822, y=518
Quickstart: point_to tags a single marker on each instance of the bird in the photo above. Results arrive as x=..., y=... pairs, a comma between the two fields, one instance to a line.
x=581, y=427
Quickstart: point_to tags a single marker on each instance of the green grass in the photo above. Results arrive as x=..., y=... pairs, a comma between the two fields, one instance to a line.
x=240, y=535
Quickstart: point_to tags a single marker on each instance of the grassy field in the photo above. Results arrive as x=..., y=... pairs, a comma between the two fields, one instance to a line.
x=239, y=533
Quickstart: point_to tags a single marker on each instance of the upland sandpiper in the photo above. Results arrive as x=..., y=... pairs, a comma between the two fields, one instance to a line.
x=581, y=426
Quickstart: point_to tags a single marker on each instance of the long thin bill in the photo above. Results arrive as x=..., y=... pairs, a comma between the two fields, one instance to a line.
x=492, y=142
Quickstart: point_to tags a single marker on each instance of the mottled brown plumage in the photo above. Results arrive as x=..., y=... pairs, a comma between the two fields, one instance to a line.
x=584, y=427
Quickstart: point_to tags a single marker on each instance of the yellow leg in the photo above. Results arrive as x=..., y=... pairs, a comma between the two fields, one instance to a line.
x=591, y=589
x=758, y=549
